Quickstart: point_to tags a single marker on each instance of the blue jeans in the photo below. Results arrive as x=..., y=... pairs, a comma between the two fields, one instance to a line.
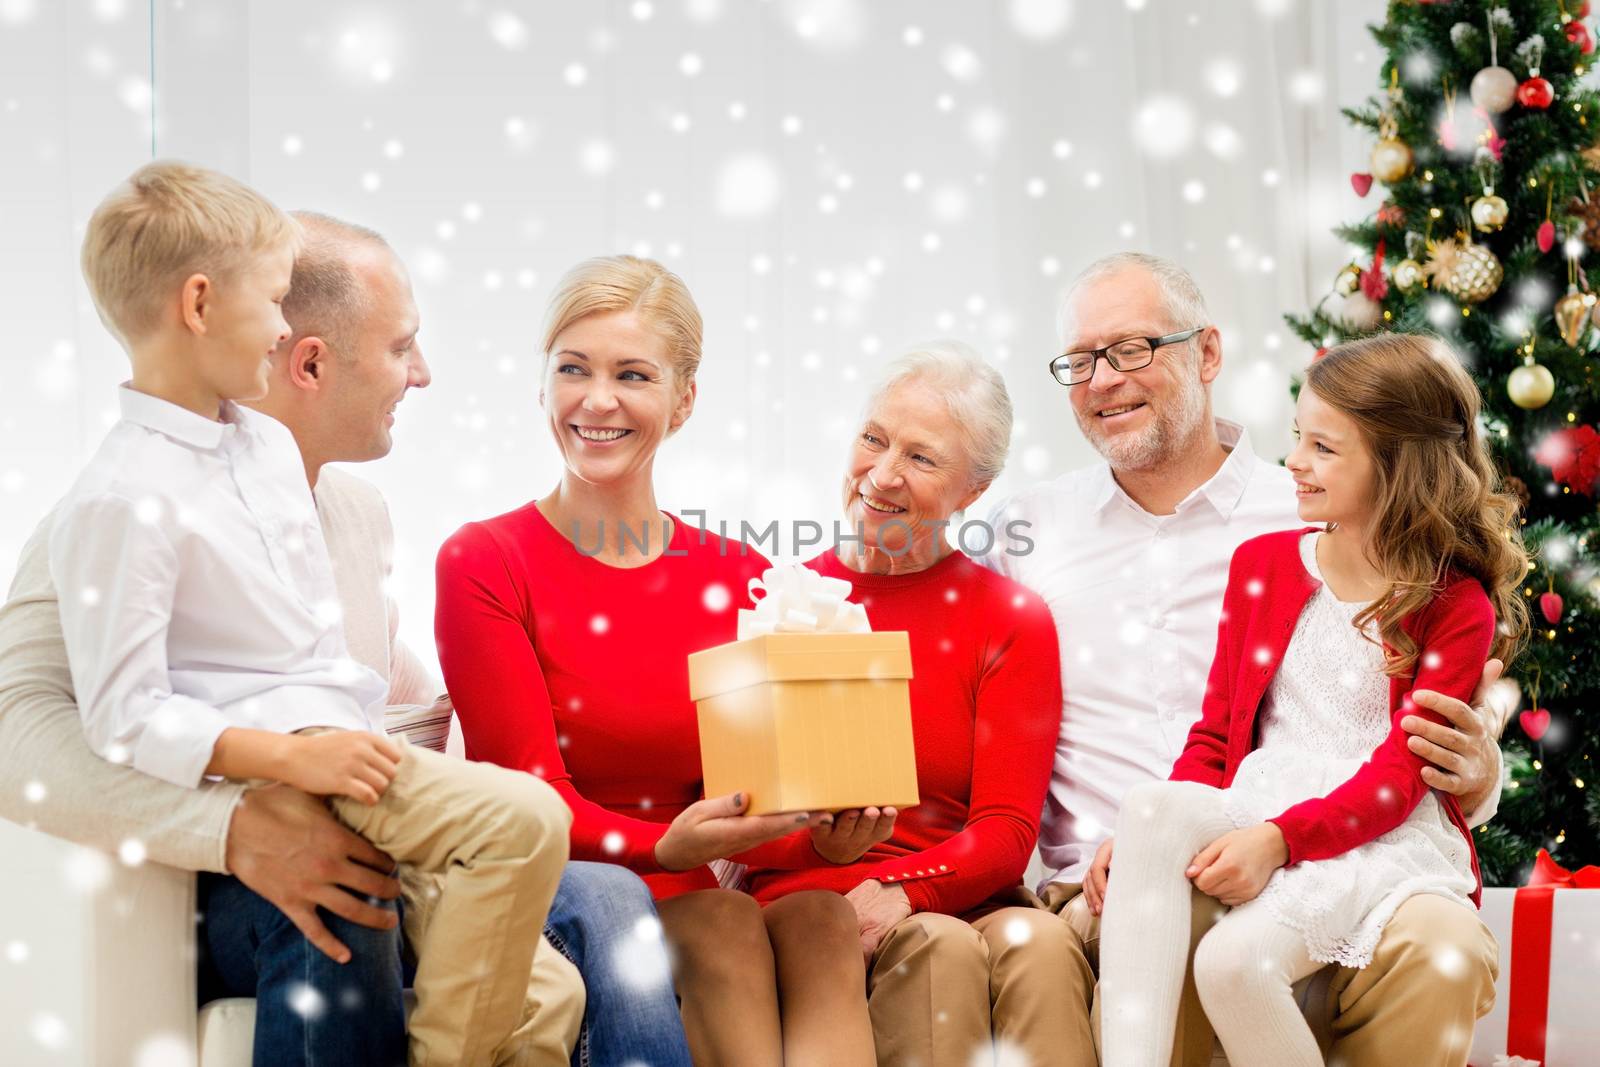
x=310, y=1011
x=604, y=921
x=313, y=1012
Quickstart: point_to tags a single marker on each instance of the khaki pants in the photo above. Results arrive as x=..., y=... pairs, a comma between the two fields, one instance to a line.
x=1020, y=972
x=481, y=850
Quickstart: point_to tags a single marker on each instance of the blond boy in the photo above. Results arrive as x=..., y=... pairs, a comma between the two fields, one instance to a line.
x=201, y=616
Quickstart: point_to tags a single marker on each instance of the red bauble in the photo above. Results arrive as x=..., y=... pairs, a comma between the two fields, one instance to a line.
x=1550, y=606
x=1536, y=92
x=1579, y=9
x=1534, y=723
x=1546, y=236
x=1578, y=34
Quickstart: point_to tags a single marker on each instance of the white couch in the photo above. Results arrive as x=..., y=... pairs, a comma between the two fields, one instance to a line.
x=97, y=964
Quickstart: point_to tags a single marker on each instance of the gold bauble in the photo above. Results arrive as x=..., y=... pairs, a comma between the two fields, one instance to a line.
x=1408, y=275
x=1489, y=213
x=1531, y=385
x=1474, y=274
x=1572, y=314
x=1391, y=160
x=1348, y=281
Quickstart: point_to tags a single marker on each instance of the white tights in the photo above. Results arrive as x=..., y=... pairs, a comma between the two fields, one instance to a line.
x=1244, y=967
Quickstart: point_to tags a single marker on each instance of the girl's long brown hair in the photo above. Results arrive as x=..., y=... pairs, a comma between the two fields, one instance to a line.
x=1438, y=504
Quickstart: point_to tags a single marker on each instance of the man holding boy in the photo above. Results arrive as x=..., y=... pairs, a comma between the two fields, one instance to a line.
x=1132, y=557
x=203, y=621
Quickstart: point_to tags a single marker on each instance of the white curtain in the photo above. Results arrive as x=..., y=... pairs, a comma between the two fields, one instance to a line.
x=835, y=179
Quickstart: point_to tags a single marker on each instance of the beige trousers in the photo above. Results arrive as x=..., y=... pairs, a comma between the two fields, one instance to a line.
x=481, y=850
x=1018, y=973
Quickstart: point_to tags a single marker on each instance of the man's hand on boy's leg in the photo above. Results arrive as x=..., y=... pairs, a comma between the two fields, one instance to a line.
x=1466, y=753
x=288, y=847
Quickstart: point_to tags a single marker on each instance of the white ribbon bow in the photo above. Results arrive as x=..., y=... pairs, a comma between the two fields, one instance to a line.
x=1504, y=1060
x=797, y=600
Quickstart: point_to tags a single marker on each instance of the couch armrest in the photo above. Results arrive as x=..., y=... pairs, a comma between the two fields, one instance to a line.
x=97, y=958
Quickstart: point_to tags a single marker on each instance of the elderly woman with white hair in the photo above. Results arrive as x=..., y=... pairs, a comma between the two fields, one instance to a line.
x=985, y=707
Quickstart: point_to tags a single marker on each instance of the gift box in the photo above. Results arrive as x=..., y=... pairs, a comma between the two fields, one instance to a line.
x=808, y=711
x=1546, y=998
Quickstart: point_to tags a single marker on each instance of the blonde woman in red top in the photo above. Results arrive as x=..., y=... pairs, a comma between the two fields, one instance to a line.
x=564, y=629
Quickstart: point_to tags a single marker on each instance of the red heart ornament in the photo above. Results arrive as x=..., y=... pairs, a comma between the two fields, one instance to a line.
x=1550, y=606
x=1547, y=235
x=1579, y=10
x=1536, y=93
x=1361, y=183
x=1535, y=722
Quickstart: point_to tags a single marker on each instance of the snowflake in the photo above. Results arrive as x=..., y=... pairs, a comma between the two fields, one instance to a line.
x=507, y=29
x=1163, y=126
x=1040, y=20
x=1018, y=932
x=131, y=852
x=306, y=1001
x=17, y=951
x=613, y=843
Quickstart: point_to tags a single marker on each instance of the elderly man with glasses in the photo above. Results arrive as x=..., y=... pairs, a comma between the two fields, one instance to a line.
x=1131, y=554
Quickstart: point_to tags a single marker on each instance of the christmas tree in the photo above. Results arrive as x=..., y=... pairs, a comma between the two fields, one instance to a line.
x=1488, y=178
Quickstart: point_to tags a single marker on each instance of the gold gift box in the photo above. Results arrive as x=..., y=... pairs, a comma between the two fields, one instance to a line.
x=807, y=721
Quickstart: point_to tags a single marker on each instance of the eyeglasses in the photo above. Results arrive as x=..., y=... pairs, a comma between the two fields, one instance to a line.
x=1130, y=354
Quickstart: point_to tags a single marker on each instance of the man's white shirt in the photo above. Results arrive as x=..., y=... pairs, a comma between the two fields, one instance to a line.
x=1136, y=599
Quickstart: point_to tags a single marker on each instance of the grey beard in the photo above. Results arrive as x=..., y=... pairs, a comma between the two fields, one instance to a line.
x=1161, y=442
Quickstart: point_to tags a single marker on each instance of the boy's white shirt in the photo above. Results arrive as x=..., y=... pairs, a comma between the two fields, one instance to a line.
x=197, y=593
x=1136, y=599
x=52, y=779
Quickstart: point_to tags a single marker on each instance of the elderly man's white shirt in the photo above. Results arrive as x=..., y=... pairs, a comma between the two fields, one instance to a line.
x=1136, y=599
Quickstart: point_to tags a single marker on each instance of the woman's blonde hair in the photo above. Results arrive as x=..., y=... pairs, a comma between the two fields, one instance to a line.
x=1438, y=501
x=168, y=221
x=609, y=284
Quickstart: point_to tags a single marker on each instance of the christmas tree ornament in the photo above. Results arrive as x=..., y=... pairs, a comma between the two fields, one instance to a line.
x=1361, y=183
x=1409, y=276
x=1391, y=157
x=1494, y=89
x=1360, y=313
x=1578, y=34
x=1536, y=92
x=1489, y=212
x=1535, y=722
x=1586, y=208
x=1573, y=455
x=1546, y=237
x=1469, y=272
x=1531, y=385
x=1373, y=281
x=1348, y=280
x=1572, y=314
x=1550, y=604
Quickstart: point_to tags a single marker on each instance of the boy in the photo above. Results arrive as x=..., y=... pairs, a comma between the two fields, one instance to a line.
x=200, y=611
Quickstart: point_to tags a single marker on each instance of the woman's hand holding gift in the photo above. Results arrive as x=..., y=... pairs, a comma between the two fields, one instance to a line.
x=716, y=828
x=846, y=836
x=1235, y=867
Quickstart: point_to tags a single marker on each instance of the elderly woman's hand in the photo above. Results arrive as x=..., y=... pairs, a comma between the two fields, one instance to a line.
x=879, y=908
x=847, y=836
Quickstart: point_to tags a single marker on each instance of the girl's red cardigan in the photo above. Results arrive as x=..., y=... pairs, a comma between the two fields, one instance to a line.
x=1268, y=586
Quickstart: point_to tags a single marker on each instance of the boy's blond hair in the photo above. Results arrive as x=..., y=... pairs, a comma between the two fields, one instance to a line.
x=168, y=221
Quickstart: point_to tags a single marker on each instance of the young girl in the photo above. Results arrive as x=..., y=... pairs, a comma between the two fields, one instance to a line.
x=1296, y=802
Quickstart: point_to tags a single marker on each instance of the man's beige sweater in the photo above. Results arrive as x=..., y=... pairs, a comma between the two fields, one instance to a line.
x=49, y=778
